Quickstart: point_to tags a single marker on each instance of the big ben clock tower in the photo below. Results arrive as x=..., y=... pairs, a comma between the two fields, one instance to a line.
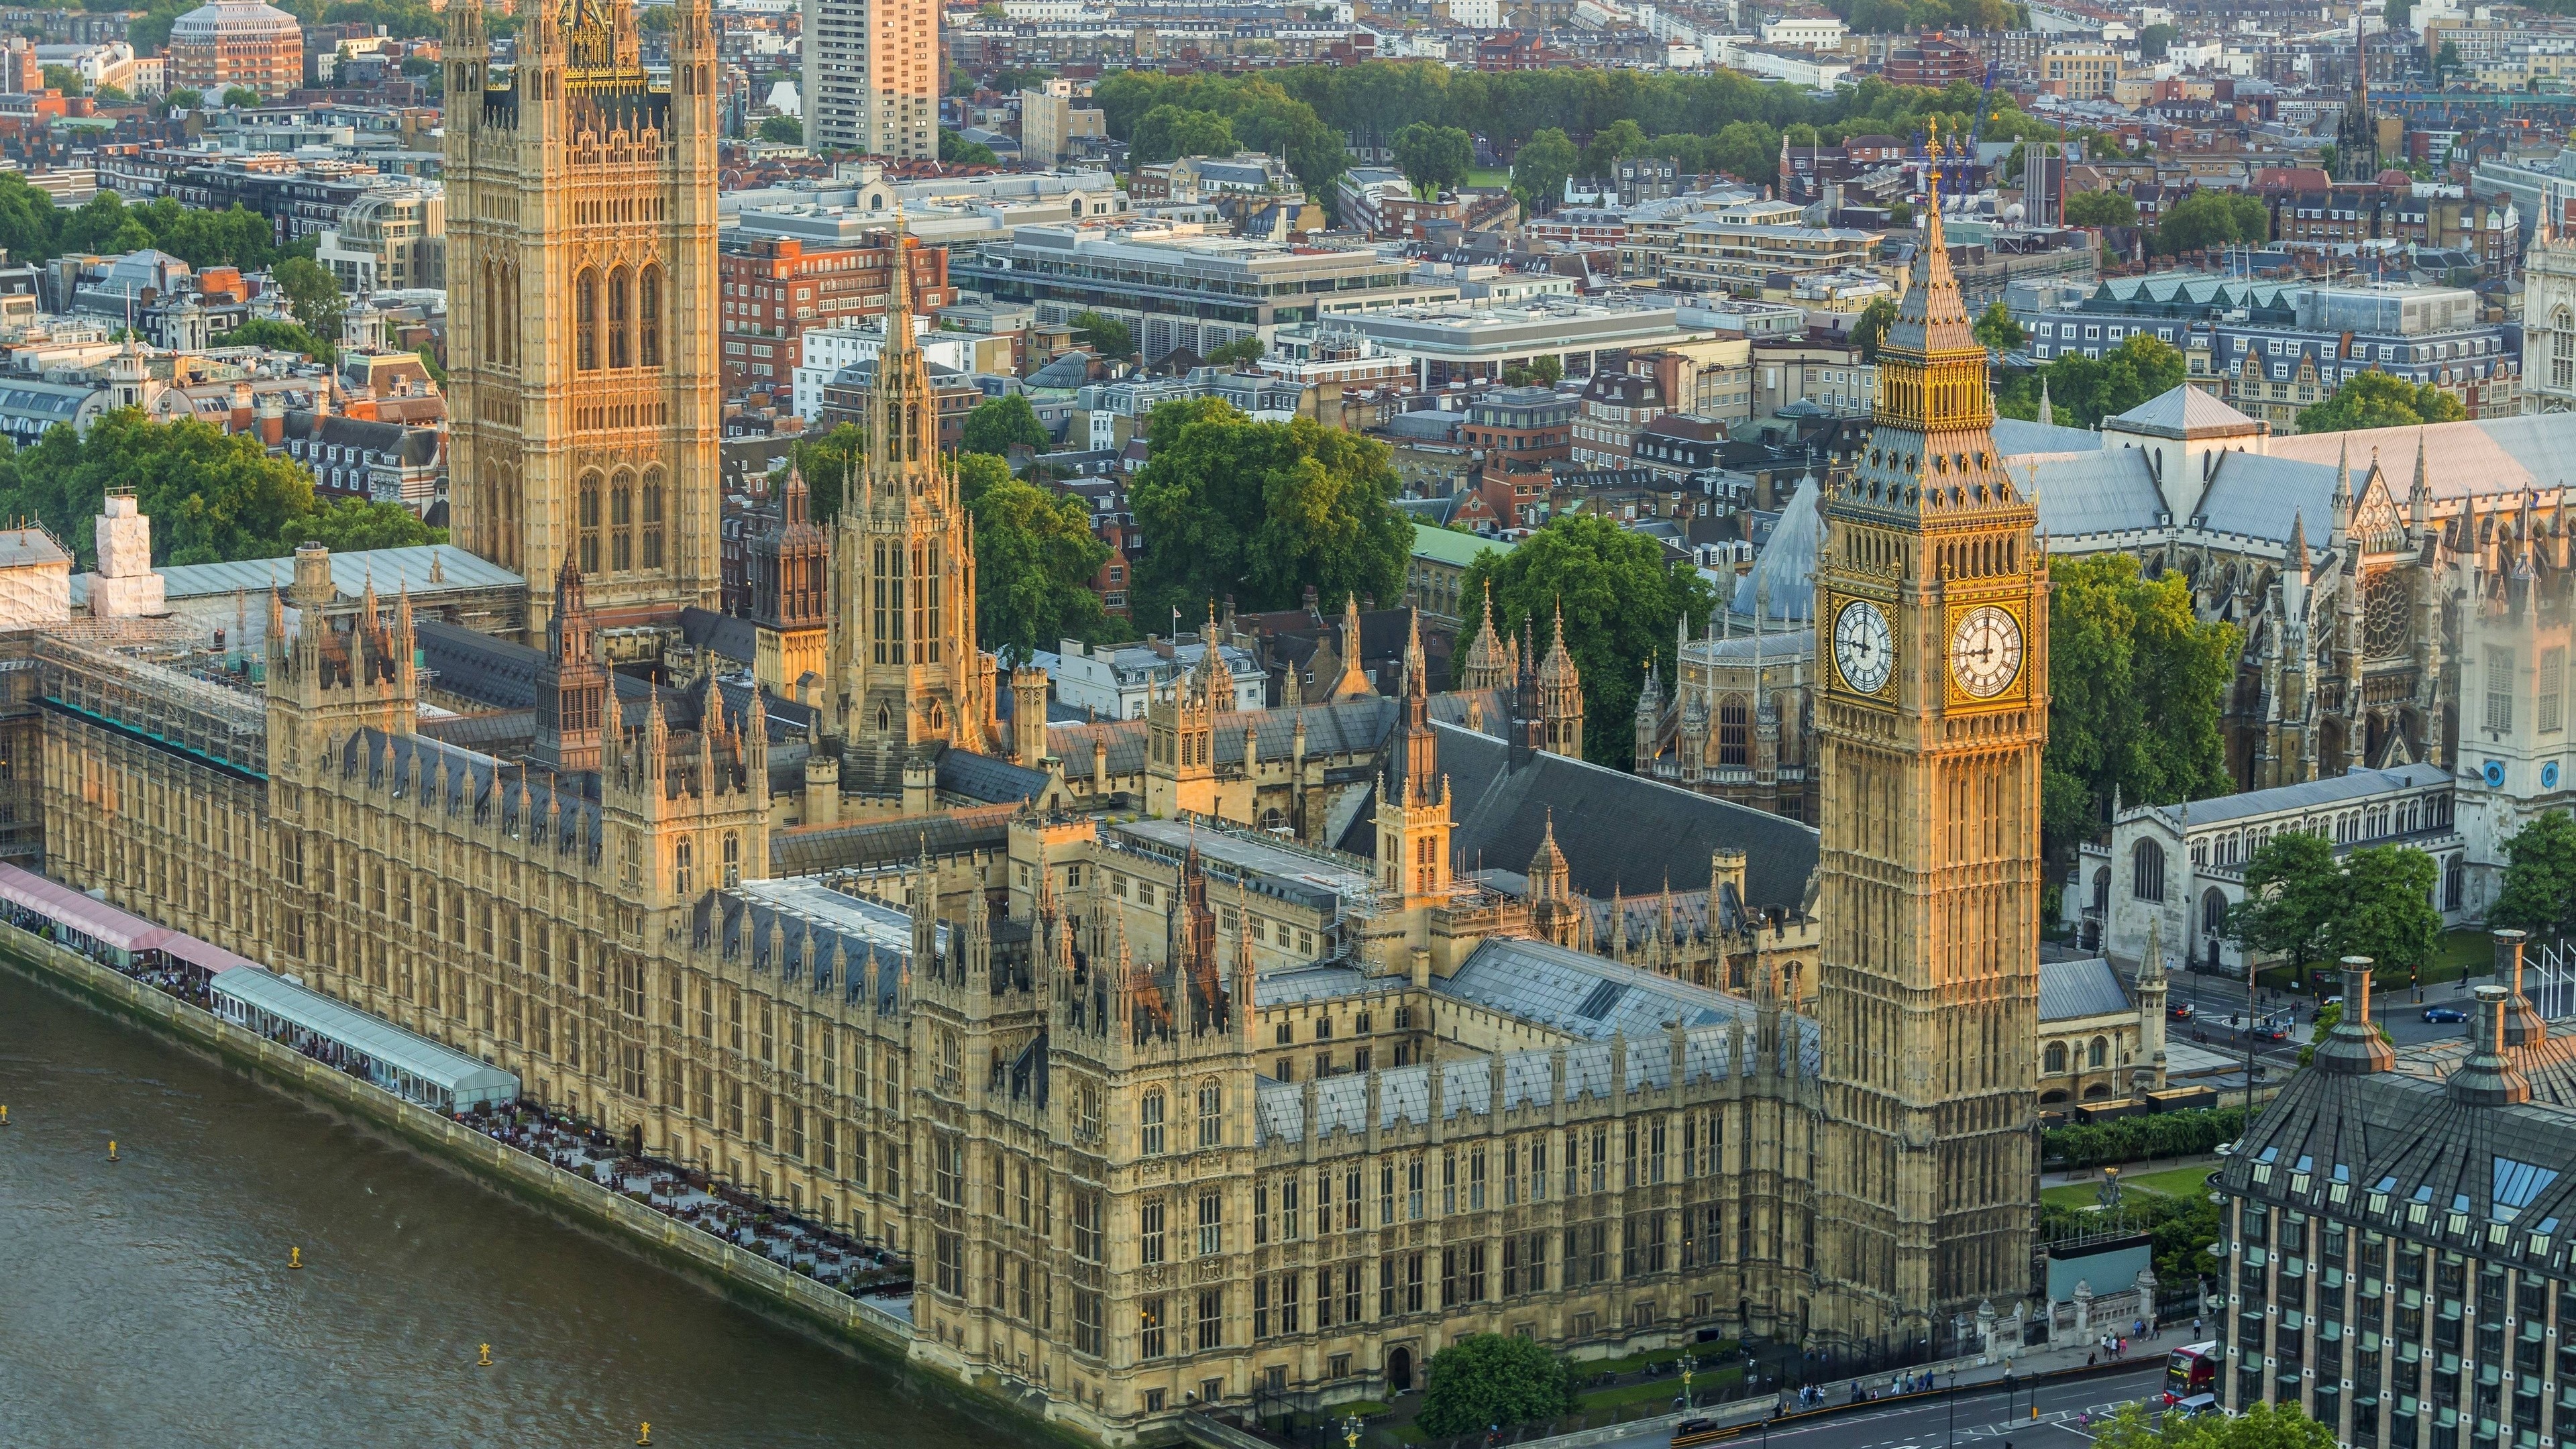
x=1932, y=593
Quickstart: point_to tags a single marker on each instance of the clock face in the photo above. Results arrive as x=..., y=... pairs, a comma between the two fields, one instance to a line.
x=1864, y=650
x=1985, y=651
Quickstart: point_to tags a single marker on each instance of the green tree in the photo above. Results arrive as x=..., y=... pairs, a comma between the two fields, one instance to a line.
x=1746, y=150
x=997, y=423
x=1548, y=371
x=1035, y=559
x=2293, y=890
x=2387, y=912
x=977, y=475
x=2084, y=390
x=782, y=130
x=1996, y=328
x=2539, y=893
x=2156, y=39
x=429, y=362
x=2260, y=1426
x=956, y=150
x=1261, y=511
x=1493, y=1379
x=111, y=96
x=2396, y=11
x=312, y=294
x=2377, y=399
x=1108, y=336
x=1169, y=132
x=66, y=79
x=828, y=463
x=240, y=97
x=184, y=99
x=2100, y=208
x=281, y=336
x=2446, y=60
x=1609, y=146
x=1869, y=330
x=2135, y=682
x=1242, y=351
x=1619, y=600
x=1539, y=172
x=1433, y=158
x=345, y=525
x=212, y=497
x=2208, y=218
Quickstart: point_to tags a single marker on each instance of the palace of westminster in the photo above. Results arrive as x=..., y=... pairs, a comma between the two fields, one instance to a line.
x=1188, y=1056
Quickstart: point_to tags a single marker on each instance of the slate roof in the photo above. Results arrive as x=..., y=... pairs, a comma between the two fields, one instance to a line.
x=2013, y=436
x=2183, y=410
x=813, y=849
x=728, y=635
x=2306, y=795
x=503, y=674
x=874, y=940
x=984, y=778
x=1581, y=994
x=2486, y=457
x=391, y=570
x=520, y=797
x=2071, y=989
x=2258, y=496
x=1619, y=832
x=2088, y=492
x=1788, y=561
x=2399, y=1140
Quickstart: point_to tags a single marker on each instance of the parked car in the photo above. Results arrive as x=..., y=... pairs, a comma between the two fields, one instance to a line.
x=2444, y=1013
x=2180, y=1011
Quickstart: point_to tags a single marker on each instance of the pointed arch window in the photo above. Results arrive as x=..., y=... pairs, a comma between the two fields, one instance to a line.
x=1731, y=733
x=585, y=311
x=648, y=316
x=652, y=507
x=683, y=857
x=2562, y=350
x=621, y=523
x=621, y=314
x=490, y=351
x=590, y=485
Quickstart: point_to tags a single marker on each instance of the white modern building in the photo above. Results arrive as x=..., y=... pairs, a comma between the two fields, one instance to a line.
x=1114, y=681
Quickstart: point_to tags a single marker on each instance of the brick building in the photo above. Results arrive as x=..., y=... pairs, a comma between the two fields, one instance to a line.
x=774, y=290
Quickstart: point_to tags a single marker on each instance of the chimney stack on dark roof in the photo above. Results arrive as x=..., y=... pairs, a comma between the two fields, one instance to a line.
x=2488, y=1077
x=2353, y=1048
x=2522, y=1024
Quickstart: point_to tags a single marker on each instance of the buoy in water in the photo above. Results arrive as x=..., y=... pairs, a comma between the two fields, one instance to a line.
x=111, y=1150
x=644, y=1434
x=295, y=1257
x=486, y=1360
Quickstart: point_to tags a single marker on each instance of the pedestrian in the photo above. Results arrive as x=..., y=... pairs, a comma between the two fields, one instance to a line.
x=2195, y=1328
x=2091, y=1359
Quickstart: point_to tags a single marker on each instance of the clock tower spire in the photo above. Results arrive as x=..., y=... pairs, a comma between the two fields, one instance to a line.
x=1932, y=591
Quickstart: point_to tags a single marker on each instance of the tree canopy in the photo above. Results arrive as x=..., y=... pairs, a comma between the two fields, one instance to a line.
x=1490, y=1380
x=1539, y=172
x=956, y=150
x=2135, y=682
x=280, y=336
x=2377, y=399
x=212, y=497
x=2208, y=218
x=1996, y=328
x=2293, y=887
x=1433, y=158
x=782, y=130
x=828, y=463
x=2387, y=911
x=2101, y=208
x=1262, y=511
x=998, y=423
x=2082, y=391
x=2539, y=893
x=1869, y=330
x=312, y=294
x=1619, y=600
x=1035, y=557
x=2260, y=1426
x=1108, y=336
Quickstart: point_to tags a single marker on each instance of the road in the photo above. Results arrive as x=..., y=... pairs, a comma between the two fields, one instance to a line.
x=1979, y=1417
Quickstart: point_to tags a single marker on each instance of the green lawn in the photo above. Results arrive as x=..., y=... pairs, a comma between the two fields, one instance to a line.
x=2457, y=954
x=1489, y=176
x=2181, y=1182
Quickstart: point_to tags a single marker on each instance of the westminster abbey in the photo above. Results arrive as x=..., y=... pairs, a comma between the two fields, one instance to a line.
x=1187, y=1058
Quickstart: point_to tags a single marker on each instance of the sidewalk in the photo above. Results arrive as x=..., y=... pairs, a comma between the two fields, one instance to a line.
x=1955, y=1373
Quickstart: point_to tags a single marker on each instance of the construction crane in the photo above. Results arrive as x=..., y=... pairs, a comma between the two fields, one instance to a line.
x=1956, y=162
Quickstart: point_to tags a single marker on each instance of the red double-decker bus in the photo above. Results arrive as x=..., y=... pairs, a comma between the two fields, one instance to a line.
x=2190, y=1371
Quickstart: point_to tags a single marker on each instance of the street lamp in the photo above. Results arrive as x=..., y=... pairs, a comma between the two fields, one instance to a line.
x=1350, y=1431
x=1688, y=1364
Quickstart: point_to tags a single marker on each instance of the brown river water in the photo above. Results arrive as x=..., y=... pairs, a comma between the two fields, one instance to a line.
x=147, y=1302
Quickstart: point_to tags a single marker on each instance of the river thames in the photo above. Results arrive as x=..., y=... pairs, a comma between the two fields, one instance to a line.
x=148, y=1302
